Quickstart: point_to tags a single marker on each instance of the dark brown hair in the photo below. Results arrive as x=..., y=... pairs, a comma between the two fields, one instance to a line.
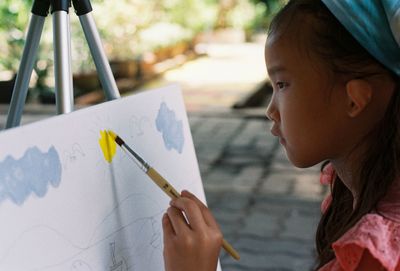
x=327, y=39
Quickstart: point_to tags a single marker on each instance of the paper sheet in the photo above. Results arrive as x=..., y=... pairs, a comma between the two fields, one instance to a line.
x=65, y=204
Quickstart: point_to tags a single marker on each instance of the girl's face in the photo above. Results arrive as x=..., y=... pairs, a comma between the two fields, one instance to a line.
x=307, y=112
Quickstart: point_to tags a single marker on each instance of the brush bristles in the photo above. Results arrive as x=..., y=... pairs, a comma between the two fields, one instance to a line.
x=116, y=138
x=119, y=141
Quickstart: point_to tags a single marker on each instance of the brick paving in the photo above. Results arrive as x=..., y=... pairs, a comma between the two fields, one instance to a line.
x=267, y=209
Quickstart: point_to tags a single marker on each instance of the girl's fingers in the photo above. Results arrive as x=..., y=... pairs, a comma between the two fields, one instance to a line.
x=192, y=212
x=208, y=217
x=177, y=220
x=167, y=227
x=187, y=194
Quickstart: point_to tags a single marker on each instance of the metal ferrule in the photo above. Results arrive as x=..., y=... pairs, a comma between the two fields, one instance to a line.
x=136, y=158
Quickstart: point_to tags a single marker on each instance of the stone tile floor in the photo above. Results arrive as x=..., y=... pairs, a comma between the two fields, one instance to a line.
x=267, y=209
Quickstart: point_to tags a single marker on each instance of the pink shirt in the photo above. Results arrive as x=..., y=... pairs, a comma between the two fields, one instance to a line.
x=378, y=232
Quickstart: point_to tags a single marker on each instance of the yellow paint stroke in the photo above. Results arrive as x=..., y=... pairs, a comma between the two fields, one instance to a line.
x=108, y=146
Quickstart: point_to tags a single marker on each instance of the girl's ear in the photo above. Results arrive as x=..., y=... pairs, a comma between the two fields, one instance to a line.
x=359, y=94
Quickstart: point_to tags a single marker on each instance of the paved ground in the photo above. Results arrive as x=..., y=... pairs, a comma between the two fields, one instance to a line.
x=219, y=79
x=266, y=208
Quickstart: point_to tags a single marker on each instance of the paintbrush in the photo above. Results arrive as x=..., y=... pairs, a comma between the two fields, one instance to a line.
x=161, y=182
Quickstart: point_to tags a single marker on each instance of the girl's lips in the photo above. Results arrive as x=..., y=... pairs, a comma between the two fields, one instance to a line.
x=275, y=131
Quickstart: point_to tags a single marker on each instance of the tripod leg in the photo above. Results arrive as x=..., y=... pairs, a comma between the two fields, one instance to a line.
x=25, y=71
x=62, y=57
x=83, y=9
x=102, y=65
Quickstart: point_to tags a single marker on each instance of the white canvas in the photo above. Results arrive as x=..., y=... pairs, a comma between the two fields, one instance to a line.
x=64, y=207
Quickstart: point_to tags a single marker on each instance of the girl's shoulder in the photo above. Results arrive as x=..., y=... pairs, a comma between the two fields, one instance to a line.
x=378, y=233
x=375, y=233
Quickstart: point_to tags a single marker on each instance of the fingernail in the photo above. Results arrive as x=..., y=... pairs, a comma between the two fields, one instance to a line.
x=187, y=192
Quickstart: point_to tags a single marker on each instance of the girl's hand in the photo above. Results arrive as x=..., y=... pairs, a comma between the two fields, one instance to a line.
x=194, y=246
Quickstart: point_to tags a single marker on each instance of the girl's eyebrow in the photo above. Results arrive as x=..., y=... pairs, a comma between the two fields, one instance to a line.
x=276, y=69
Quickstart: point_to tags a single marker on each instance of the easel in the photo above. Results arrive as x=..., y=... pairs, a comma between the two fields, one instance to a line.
x=62, y=56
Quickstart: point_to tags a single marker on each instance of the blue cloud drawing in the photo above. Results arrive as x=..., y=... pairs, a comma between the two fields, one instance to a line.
x=30, y=174
x=170, y=127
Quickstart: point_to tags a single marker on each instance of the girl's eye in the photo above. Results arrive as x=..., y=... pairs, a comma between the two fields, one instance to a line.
x=281, y=85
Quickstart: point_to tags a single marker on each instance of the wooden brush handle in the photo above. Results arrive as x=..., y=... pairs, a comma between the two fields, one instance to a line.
x=173, y=194
x=163, y=183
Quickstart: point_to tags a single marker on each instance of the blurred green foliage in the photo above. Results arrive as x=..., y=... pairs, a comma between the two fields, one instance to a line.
x=13, y=21
x=270, y=8
x=128, y=27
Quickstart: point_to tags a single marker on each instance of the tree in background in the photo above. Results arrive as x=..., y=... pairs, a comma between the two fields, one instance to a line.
x=224, y=8
x=128, y=28
x=13, y=21
x=249, y=15
x=271, y=8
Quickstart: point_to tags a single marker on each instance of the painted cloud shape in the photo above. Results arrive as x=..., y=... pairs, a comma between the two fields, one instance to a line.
x=30, y=174
x=171, y=128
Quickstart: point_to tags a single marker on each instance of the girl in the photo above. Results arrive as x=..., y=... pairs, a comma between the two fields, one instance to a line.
x=335, y=67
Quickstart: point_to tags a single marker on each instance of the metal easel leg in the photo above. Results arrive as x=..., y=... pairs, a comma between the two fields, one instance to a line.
x=62, y=56
x=83, y=9
x=39, y=12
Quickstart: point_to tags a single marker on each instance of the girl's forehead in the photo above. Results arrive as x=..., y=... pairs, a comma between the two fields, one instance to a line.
x=295, y=37
x=297, y=26
x=282, y=50
x=284, y=57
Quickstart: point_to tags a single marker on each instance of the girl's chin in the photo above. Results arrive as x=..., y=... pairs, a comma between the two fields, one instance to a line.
x=300, y=162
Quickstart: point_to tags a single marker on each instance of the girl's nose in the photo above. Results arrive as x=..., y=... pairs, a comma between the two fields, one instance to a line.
x=271, y=113
x=268, y=114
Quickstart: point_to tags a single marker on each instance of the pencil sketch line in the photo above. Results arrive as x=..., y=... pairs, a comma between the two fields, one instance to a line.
x=95, y=244
x=114, y=209
x=139, y=123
